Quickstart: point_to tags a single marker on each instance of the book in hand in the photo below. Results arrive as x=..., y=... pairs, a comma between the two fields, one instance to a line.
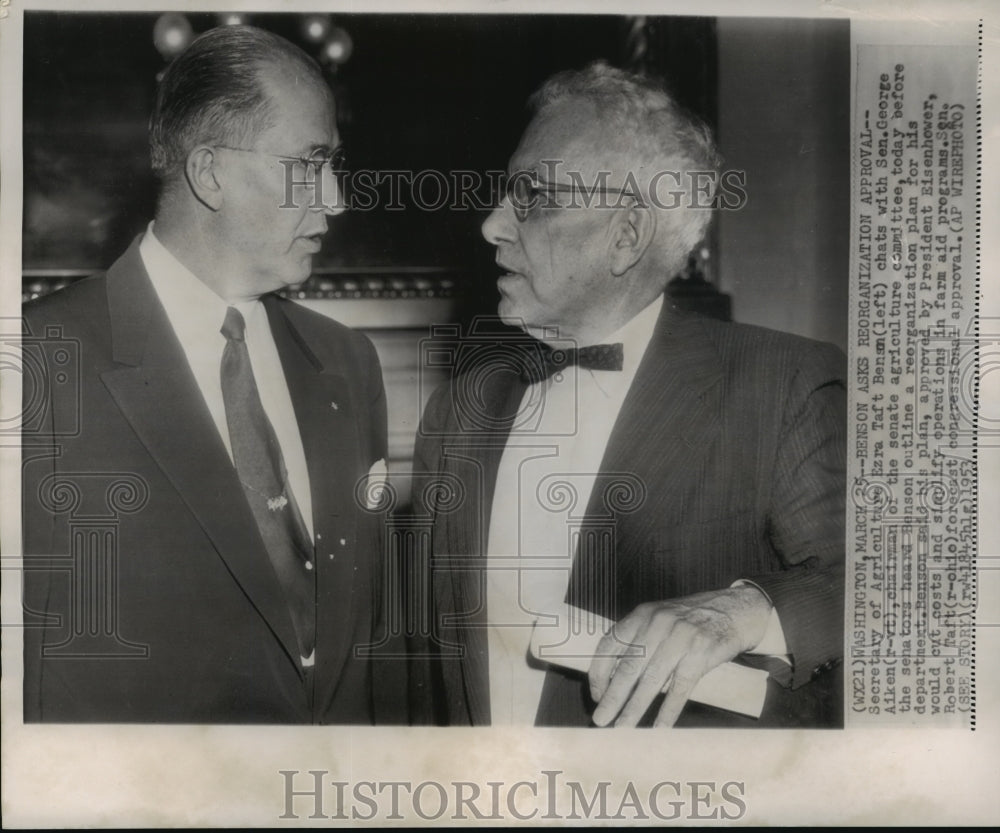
x=571, y=640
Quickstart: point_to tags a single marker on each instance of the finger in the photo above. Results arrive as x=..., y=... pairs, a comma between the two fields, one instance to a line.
x=619, y=640
x=686, y=676
x=651, y=683
x=627, y=674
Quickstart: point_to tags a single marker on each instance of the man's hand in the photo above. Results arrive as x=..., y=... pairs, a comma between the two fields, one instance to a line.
x=677, y=640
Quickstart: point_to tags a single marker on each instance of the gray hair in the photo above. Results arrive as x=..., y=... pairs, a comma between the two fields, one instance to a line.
x=212, y=94
x=664, y=135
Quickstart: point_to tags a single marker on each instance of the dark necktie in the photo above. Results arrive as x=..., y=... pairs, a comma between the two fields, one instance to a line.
x=541, y=364
x=261, y=469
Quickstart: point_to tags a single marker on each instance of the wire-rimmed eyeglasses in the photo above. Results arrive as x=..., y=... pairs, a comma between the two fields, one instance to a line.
x=524, y=189
x=312, y=165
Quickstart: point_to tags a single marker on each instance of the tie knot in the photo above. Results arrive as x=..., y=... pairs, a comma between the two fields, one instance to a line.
x=234, y=327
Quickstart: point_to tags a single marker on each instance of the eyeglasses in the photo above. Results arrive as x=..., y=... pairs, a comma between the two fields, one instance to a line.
x=312, y=165
x=524, y=188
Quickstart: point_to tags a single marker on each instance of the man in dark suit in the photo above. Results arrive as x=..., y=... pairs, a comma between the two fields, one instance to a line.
x=194, y=548
x=679, y=476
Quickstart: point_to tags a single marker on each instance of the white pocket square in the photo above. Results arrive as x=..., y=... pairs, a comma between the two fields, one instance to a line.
x=378, y=476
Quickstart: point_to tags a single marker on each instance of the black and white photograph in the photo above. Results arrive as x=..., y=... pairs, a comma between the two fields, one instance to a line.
x=491, y=415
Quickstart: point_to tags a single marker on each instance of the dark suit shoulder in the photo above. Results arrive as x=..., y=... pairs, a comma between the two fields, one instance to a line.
x=79, y=310
x=310, y=320
x=754, y=350
x=321, y=329
x=74, y=301
x=486, y=365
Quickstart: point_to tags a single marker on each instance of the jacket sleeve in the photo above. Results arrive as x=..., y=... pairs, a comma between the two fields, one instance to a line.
x=807, y=515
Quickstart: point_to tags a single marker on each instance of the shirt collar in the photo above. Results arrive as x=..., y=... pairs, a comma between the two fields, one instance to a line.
x=194, y=310
x=635, y=336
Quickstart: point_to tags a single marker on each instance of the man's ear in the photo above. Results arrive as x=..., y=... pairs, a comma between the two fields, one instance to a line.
x=633, y=231
x=201, y=173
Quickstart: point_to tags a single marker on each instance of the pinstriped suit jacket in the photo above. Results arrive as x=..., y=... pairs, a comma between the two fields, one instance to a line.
x=737, y=437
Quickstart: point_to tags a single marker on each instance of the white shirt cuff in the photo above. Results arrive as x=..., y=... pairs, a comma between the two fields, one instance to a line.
x=773, y=642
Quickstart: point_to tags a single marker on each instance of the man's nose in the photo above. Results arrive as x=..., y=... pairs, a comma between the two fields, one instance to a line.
x=499, y=225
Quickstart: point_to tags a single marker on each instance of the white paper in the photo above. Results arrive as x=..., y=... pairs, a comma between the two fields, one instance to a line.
x=572, y=643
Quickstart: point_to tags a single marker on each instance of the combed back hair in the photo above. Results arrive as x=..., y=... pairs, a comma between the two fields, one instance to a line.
x=660, y=134
x=212, y=94
x=636, y=106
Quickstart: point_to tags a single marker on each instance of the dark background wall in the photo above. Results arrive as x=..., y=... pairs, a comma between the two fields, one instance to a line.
x=447, y=92
x=784, y=117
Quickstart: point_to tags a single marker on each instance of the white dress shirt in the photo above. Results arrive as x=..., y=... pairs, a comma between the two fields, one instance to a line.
x=196, y=314
x=530, y=547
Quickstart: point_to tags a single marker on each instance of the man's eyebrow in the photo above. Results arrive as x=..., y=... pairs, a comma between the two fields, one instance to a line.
x=316, y=148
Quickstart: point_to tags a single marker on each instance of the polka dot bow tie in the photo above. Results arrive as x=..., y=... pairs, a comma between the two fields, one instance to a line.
x=540, y=365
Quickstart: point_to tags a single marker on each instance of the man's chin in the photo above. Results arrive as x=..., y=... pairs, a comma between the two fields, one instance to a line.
x=524, y=320
x=510, y=314
x=293, y=277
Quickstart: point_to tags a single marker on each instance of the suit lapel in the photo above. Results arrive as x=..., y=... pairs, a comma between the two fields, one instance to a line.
x=474, y=457
x=662, y=431
x=327, y=421
x=159, y=397
x=481, y=451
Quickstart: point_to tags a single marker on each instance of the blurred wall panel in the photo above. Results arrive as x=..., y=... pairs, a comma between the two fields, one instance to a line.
x=88, y=85
x=784, y=118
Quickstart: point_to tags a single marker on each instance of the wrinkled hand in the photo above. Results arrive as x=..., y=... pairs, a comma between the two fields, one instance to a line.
x=678, y=640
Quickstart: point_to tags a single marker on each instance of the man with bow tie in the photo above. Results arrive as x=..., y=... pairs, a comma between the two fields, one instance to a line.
x=681, y=477
x=195, y=550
